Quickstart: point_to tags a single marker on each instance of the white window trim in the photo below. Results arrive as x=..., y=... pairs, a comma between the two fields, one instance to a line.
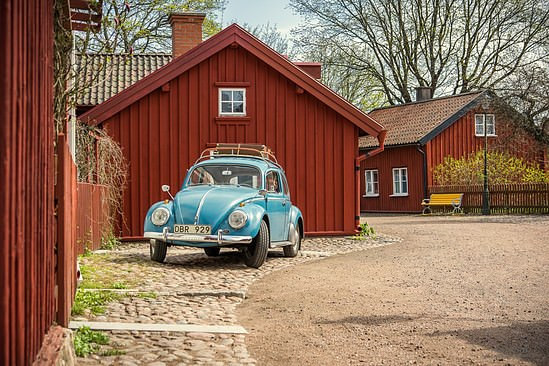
x=243, y=90
x=393, y=179
x=483, y=118
x=366, y=183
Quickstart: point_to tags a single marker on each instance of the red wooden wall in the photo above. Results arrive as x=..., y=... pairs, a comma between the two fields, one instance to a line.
x=163, y=133
x=459, y=140
x=397, y=157
x=27, y=259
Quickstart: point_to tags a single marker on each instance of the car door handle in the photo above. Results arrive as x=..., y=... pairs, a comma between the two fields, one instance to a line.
x=284, y=203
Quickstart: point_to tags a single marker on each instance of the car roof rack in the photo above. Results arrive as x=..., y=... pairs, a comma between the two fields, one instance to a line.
x=256, y=151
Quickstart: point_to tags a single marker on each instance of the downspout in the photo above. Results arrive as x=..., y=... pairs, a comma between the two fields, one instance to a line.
x=359, y=159
x=425, y=192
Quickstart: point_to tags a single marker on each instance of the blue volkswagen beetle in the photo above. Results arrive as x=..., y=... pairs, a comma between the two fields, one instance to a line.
x=234, y=196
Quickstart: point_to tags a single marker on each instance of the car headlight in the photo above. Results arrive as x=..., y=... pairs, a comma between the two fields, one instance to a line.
x=160, y=216
x=238, y=219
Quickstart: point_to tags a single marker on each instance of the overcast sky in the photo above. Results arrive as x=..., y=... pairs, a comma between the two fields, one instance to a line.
x=258, y=12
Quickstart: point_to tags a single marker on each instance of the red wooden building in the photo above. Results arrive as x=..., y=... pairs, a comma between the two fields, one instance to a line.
x=421, y=134
x=32, y=209
x=232, y=88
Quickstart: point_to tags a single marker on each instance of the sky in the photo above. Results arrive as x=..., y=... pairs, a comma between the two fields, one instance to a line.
x=259, y=12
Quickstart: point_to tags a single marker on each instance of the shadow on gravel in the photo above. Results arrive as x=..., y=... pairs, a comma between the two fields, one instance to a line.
x=225, y=260
x=527, y=341
x=370, y=320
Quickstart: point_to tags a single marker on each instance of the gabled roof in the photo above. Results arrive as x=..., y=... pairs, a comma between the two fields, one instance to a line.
x=233, y=34
x=419, y=122
x=103, y=75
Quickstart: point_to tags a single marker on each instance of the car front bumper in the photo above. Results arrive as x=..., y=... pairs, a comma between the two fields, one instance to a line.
x=220, y=239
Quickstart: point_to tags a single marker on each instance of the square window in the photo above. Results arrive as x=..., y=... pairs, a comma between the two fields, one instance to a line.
x=480, y=120
x=232, y=102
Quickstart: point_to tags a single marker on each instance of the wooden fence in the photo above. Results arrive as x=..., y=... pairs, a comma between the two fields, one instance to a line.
x=65, y=194
x=520, y=198
x=91, y=216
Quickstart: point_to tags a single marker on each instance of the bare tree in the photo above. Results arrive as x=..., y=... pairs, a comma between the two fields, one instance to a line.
x=447, y=45
x=142, y=25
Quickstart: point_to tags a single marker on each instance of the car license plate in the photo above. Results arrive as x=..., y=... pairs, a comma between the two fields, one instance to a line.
x=192, y=229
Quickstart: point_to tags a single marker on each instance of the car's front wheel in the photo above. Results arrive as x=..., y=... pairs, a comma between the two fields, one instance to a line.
x=158, y=250
x=256, y=253
x=295, y=239
x=212, y=252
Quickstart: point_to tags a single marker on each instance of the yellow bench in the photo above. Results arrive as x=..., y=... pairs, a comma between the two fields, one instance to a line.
x=443, y=199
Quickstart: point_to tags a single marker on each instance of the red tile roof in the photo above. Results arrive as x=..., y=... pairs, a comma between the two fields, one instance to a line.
x=410, y=123
x=233, y=34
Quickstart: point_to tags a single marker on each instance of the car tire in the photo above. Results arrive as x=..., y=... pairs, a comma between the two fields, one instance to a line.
x=256, y=253
x=158, y=250
x=291, y=251
x=212, y=251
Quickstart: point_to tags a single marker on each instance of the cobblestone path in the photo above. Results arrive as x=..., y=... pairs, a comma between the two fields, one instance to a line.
x=191, y=288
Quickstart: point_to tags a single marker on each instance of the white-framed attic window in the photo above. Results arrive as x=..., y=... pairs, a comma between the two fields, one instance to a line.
x=232, y=101
x=490, y=125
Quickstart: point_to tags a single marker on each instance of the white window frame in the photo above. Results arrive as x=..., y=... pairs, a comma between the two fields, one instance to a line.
x=479, y=127
x=373, y=192
x=243, y=113
x=397, y=192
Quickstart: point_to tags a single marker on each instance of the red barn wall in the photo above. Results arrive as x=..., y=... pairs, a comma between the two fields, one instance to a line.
x=396, y=157
x=163, y=134
x=27, y=258
x=459, y=140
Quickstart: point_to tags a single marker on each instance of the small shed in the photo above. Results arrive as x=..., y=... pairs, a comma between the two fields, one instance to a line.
x=232, y=88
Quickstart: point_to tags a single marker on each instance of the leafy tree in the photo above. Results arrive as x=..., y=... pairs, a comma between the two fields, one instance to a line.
x=272, y=37
x=142, y=25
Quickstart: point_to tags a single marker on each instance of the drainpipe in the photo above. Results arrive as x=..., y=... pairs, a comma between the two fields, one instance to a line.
x=359, y=159
x=425, y=192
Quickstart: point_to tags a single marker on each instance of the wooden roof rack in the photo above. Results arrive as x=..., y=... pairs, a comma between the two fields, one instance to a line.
x=239, y=150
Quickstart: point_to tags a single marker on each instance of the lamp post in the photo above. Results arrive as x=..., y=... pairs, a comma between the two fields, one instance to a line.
x=485, y=192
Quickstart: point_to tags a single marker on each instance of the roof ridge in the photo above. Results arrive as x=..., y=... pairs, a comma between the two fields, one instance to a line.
x=124, y=54
x=429, y=100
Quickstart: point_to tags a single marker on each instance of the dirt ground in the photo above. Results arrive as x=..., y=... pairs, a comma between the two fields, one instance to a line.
x=456, y=290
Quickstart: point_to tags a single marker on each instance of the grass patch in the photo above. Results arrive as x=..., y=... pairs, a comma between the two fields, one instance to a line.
x=95, y=301
x=99, y=271
x=147, y=295
x=87, y=341
x=112, y=352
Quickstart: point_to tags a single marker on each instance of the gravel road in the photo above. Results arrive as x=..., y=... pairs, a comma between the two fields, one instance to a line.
x=456, y=290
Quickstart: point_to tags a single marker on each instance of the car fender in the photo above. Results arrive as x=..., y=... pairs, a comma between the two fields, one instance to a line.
x=256, y=213
x=294, y=218
x=149, y=226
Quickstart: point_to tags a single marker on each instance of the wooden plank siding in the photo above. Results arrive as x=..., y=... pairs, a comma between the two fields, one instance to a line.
x=27, y=237
x=164, y=132
x=394, y=157
x=91, y=216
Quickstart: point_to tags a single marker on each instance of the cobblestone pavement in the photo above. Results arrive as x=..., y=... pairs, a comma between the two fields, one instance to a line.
x=191, y=288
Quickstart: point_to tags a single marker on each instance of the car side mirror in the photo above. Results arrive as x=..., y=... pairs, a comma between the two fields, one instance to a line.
x=166, y=188
x=263, y=192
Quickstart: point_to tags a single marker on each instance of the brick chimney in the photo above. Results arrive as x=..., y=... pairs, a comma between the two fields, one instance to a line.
x=423, y=93
x=186, y=31
x=312, y=68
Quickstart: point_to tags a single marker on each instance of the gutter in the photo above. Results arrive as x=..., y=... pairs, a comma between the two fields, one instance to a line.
x=425, y=193
x=359, y=159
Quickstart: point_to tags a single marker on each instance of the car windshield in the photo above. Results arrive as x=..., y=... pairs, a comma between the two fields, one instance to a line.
x=226, y=174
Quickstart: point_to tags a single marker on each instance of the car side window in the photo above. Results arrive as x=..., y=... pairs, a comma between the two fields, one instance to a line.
x=273, y=182
x=286, y=187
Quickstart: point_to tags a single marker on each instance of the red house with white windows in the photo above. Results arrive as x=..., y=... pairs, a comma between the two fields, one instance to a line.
x=421, y=134
x=232, y=88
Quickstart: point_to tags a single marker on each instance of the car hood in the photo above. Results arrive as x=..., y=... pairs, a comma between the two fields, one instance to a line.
x=214, y=202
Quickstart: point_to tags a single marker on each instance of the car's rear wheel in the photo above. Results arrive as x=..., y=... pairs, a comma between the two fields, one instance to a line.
x=295, y=238
x=256, y=253
x=212, y=252
x=158, y=250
